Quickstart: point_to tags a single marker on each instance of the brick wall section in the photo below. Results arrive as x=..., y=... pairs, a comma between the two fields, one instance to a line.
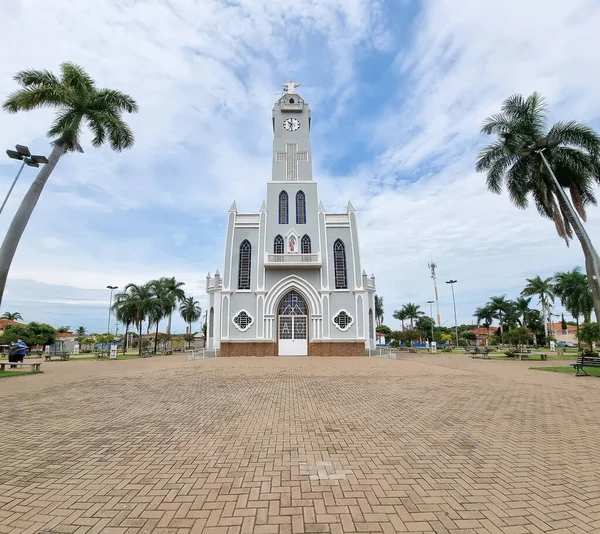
x=254, y=349
x=268, y=348
x=336, y=348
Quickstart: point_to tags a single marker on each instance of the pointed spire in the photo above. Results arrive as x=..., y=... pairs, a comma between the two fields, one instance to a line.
x=233, y=207
x=263, y=207
x=364, y=273
x=321, y=207
x=350, y=207
x=208, y=274
x=372, y=276
x=217, y=273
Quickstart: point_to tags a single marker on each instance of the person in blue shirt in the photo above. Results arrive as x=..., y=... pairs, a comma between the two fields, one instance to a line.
x=22, y=349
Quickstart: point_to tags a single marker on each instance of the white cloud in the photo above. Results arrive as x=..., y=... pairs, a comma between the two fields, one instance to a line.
x=205, y=75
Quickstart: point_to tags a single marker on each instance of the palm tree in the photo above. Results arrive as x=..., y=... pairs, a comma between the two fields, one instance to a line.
x=573, y=289
x=401, y=316
x=143, y=303
x=412, y=312
x=163, y=307
x=174, y=294
x=80, y=331
x=544, y=290
x=12, y=316
x=512, y=316
x=190, y=311
x=125, y=309
x=77, y=100
x=575, y=161
x=498, y=306
x=522, y=308
x=379, y=310
x=485, y=315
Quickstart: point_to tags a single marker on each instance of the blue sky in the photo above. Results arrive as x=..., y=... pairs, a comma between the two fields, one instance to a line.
x=398, y=91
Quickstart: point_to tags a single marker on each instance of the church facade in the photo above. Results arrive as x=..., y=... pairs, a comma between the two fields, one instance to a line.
x=292, y=282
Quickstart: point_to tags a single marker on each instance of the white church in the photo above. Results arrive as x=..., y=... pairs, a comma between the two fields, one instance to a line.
x=292, y=283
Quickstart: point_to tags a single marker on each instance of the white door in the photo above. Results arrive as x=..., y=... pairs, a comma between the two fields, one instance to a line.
x=292, y=327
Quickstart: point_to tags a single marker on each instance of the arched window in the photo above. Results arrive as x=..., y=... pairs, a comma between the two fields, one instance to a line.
x=339, y=265
x=211, y=323
x=278, y=245
x=245, y=264
x=305, y=244
x=300, y=208
x=283, y=208
x=370, y=323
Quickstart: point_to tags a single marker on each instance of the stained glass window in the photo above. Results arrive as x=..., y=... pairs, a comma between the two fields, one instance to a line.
x=305, y=245
x=283, y=208
x=293, y=304
x=245, y=265
x=339, y=265
x=343, y=320
x=278, y=245
x=243, y=320
x=300, y=208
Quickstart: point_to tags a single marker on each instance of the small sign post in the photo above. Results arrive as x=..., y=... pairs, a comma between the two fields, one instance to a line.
x=113, y=352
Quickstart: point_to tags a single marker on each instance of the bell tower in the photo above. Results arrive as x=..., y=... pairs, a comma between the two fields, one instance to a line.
x=292, y=157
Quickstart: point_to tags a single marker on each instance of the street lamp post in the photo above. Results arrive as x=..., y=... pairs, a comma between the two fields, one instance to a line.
x=430, y=302
x=112, y=288
x=452, y=282
x=22, y=154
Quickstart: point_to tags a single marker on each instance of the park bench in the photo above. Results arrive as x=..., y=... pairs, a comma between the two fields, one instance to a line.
x=35, y=366
x=146, y=353
x=61, y=355
x=481, y=353
x=101, y=355
x=521, y=355
x=585, y=361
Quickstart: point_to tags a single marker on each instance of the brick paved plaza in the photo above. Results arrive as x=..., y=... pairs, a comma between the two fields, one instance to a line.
x=427, y=444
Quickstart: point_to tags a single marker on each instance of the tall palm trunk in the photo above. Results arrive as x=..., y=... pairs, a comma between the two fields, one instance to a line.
x=545, y=314
x=21, y=218
x=126, y=336
x=156, y=337
x=592, y=261
x=190, y=332
x=140, y=339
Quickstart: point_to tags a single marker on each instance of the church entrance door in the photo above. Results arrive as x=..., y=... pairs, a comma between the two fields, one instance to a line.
x=292, y=327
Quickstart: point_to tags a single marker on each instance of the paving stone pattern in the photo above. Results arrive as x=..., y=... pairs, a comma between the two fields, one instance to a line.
x=428, y=444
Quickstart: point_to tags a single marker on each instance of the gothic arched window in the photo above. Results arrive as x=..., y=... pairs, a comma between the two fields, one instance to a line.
x=305, y=245
x=370, y=323
x=245, y=264
x=339, y=265
x=211, y=323
x=283, y=208
x=278, y=245
x=300, y=208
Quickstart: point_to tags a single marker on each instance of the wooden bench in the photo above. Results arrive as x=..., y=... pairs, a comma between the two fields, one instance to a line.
x=34, y=366
x=61, y=355
x=585, y=361
x=481, y=353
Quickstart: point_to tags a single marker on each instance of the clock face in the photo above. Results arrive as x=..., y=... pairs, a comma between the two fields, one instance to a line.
x=291, y=125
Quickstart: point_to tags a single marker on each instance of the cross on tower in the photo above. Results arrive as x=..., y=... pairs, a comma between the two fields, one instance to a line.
x=291, y=156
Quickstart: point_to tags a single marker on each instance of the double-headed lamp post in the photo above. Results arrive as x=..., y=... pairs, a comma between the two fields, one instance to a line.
x=22, y=154
x=452, y=282
x=112, y=288
x=430, y=302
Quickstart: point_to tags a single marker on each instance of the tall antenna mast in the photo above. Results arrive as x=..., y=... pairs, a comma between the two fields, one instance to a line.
x=432, y=267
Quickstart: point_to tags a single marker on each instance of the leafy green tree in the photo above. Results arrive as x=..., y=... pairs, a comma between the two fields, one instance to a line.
x=12, y=316
x=143, y=302
x=32, y=334
x=499, y=305
x=425, y=325
x=77, y=101
x=63, y=329
x=518, y=336
x=485, y=315
x=379, y=310
x=386, y=331
x=543, y=289
x=412, y=312
x=521, y=123
x=190, y=312
x=174, y=295
x=522, y=309
x=590, y=334
x=401, y=316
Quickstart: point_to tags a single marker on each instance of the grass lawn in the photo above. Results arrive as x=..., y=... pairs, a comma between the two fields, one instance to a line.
x=6, y=374
x=534, y=357
x=592, y=371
